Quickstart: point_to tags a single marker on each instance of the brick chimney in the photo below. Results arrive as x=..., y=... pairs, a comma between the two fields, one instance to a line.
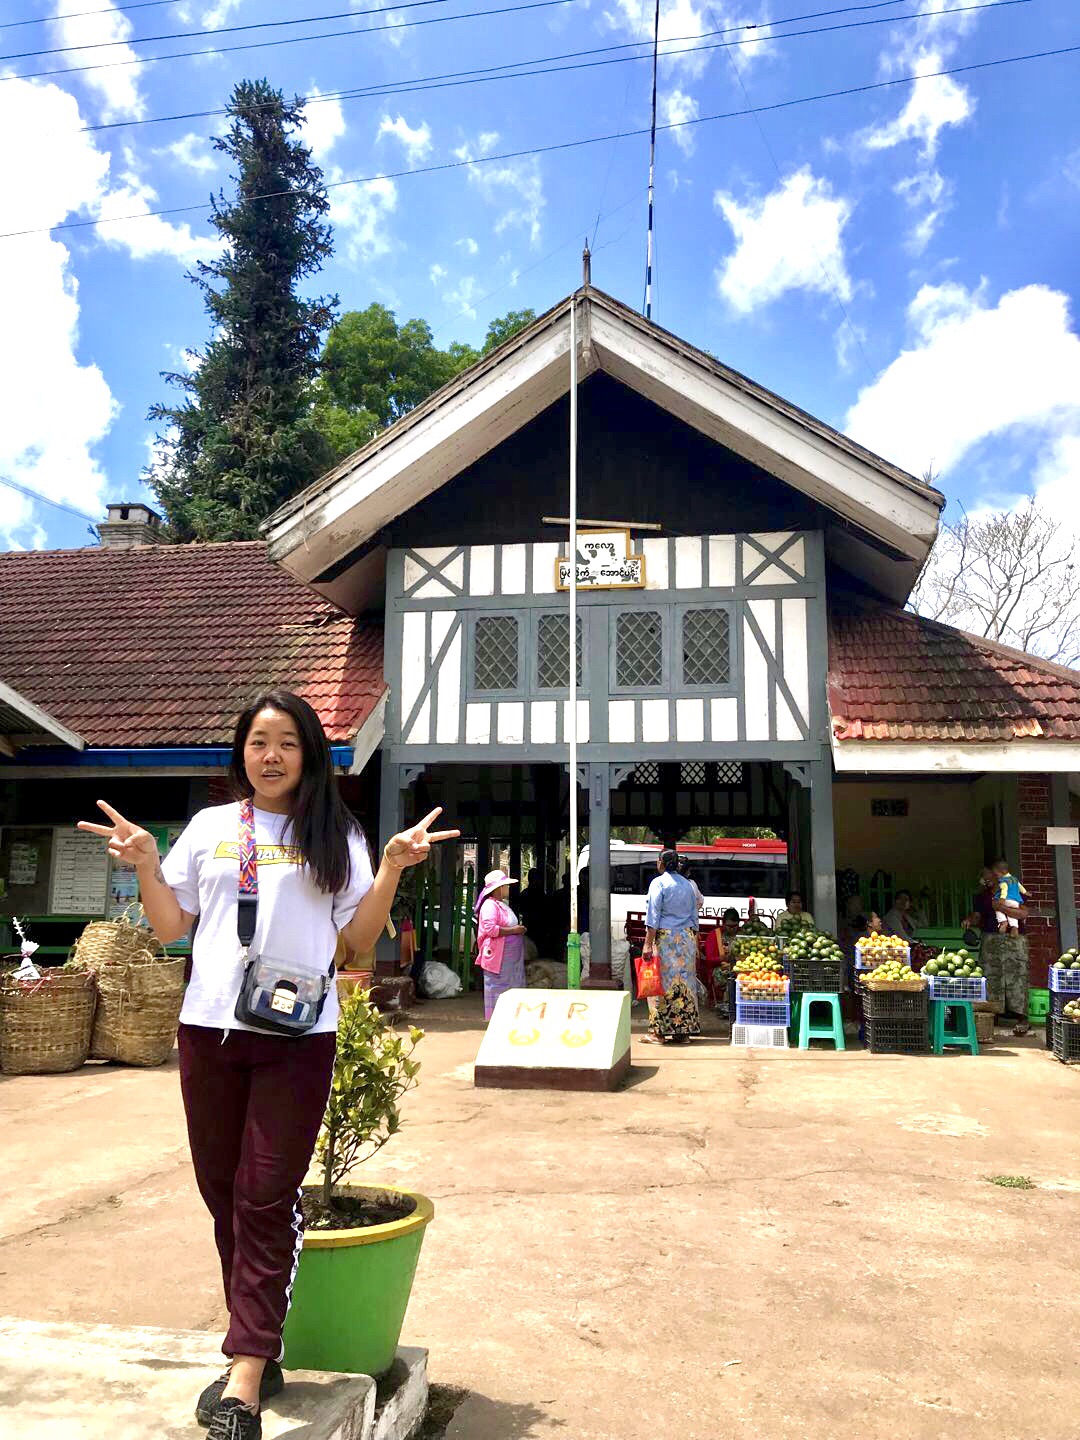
x=129, y=526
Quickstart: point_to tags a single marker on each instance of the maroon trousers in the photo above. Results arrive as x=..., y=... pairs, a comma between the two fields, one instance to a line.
x=254, y=1106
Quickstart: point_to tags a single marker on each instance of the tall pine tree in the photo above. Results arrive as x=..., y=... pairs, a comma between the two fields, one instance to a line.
x=244, y=438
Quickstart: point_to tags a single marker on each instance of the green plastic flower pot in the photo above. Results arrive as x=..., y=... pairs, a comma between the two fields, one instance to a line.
x=352, y=1289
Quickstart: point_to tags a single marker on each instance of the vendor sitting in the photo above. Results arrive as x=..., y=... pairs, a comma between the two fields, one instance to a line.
x=795, y=914
x=901, y=919
x=720, y=956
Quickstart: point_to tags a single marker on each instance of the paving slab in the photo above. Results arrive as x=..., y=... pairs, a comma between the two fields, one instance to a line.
x=102, y=1382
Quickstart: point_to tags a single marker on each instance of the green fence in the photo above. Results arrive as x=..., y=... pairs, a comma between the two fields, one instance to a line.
x=944, y=900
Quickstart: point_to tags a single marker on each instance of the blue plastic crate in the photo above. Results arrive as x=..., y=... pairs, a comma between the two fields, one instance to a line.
x=1065, y=982
x=958, y=987
x=762, y=1012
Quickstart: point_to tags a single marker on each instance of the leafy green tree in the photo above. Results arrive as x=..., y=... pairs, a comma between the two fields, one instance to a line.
x=244, y=437
x=505, y=327
x=374, y=371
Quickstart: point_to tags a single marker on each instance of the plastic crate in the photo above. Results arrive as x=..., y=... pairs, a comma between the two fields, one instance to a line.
x=763, y=1012
x=906, y=957
x=1065, y=982
x=897, y=1037
x=828, y=977
x=1066, y=1040
x=762, y=1037
x=1059, y=1001
x=957, y=987
x=896, y=1005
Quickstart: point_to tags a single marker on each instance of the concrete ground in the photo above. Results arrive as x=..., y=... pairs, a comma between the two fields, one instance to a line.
x=739, y=1243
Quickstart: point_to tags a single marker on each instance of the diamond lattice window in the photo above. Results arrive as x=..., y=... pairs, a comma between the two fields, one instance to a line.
x=647, y=774
x=639, y=650
x=692, y=773
x=706, y=647
x=552, y=644
x=729, y=772
x=495, y=653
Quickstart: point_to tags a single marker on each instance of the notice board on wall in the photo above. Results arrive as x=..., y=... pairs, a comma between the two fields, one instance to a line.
x=25, y=866
x=79, y=884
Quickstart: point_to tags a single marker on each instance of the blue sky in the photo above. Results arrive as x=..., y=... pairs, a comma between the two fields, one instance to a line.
x=903, y=263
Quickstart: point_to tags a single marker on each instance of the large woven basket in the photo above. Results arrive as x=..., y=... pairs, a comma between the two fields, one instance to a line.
x=45, y=1025
x=140, y=992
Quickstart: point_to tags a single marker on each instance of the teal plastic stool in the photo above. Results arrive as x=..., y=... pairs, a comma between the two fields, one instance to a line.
x=961, y=1035
x=809, y=1030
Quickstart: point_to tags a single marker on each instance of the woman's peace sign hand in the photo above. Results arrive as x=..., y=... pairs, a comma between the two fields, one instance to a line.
x=413, y=846
x=127, y=843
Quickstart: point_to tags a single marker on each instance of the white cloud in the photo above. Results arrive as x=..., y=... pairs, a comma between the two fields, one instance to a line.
x=467, y=244
x=192, y=152
x=153, y=236
x=416, y=140
x=927, y=193
x=678, y=108
x=975, y=371
x=117, y=83
x=790, y=240
x=324, y=124
x=56, y=408
x=217, y=15
x=436, y=273
x=935, y=101
x=515, y=184
x=359, y=213
x=463, y=295
x=388, y=25
x=685, y=25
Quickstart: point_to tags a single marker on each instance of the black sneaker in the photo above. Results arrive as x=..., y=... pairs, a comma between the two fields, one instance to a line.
x=234, y=1421
x=273, y=1382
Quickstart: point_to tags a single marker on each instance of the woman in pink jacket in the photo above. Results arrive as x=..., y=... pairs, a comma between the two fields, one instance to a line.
x=500, y=940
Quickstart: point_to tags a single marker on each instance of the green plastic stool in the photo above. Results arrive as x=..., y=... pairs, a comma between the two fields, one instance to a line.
x=1038, y=1005
x=962, y=1035
x=808, y=1031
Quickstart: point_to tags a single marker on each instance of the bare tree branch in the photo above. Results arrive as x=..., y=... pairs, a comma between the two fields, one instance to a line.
x=1009, y=575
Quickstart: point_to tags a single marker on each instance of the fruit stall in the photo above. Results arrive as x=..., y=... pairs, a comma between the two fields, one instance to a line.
x=1063, y=1021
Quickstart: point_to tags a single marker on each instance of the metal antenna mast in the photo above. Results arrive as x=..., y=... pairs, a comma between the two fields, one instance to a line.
x=652, y=165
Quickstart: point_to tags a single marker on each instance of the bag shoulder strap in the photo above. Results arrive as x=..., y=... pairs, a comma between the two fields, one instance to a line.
x=247, y=898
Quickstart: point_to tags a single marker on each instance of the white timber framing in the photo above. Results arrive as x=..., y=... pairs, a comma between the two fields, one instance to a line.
x=886, y=519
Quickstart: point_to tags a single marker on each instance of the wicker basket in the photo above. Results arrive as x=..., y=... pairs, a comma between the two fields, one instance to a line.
x=113, y=942
x=917, y=984
x=45, y=1025
x=140, y=992
x=137, y=1011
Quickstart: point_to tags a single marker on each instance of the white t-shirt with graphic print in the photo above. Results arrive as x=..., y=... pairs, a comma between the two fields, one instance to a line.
x=295, y=918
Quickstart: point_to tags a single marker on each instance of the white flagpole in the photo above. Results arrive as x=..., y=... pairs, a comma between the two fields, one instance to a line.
x=573, y=944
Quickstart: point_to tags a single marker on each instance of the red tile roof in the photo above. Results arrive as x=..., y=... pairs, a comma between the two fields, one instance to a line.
x=897, y=676
x=163, y=644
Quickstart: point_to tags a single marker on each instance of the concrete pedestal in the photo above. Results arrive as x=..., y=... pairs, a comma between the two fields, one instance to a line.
x=110, y=1380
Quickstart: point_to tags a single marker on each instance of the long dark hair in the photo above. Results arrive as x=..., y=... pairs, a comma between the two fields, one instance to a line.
x=321, y=822
x=669, y=860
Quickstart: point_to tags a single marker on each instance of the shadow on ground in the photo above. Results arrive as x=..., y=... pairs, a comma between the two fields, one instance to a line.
x=470, y=1414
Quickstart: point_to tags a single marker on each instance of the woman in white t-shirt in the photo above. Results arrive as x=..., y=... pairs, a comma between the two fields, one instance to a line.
x=254, y=1100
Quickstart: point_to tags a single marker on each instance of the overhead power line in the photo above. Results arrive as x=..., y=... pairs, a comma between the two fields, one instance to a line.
x=219, y=30
x=352, y=32
x=45, y=500
x=513, y=67
x=584, y=141
x=290, y=40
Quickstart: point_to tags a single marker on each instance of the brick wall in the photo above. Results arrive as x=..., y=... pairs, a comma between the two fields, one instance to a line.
x=1036, y=870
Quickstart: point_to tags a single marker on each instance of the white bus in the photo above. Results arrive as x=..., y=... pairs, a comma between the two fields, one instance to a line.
x=729, y=873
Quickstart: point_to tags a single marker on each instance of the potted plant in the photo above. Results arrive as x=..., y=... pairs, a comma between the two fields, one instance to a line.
x=361, y=1243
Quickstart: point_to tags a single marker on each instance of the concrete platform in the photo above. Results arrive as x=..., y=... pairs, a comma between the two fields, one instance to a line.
x=100, y=1382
